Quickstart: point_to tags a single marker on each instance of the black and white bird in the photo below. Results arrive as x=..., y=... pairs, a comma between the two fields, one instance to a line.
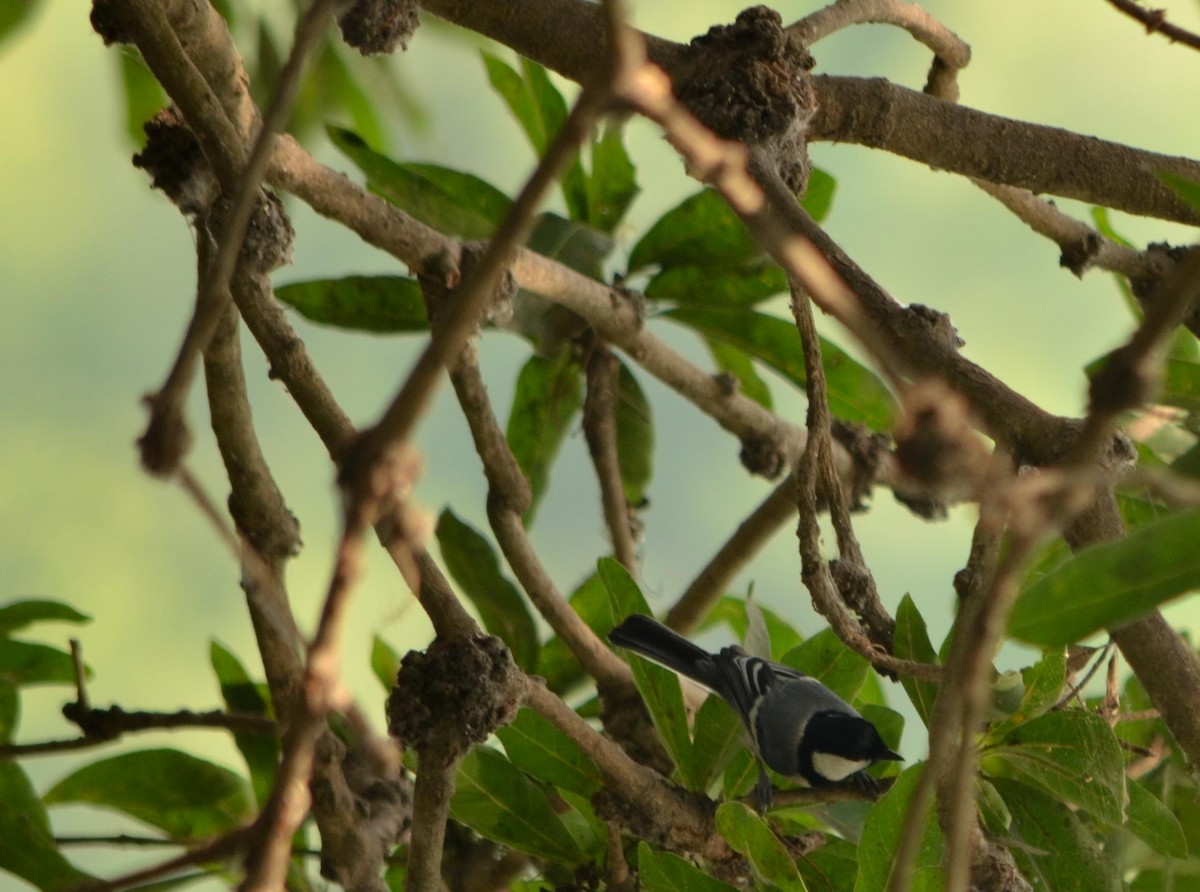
x=799, y=727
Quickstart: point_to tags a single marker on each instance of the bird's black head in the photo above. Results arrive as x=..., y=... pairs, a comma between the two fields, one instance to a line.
x=837, y=745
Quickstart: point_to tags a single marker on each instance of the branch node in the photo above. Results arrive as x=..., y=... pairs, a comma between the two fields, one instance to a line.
x=750, y=82
x=454, y=695
x=379, y=26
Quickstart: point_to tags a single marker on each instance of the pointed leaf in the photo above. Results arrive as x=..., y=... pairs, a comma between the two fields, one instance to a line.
x=911, y=641
x=542, y=751
x=635, y=437
x=1043, y=687
x=576, y=244
x=240, y=694
x=382, y=304
x=664, y=872
x=1053, y=847
x=829, y=661
x=548, y=396
x=612, y=185
x=17, y=615
x=385, y=663
x=732, y=611
x=1111, y=584
x=704, y=286
x=659, y=687
x=1072, y=755
x=818, y=197
x=25, y=664
x=1154, y=824
x=556, y=663
x=855, y=393
x=494, y=798
x=747, y=834
x=831, y=868
x=474, y=566
x=881, y=835
x=453, y=202
x=27, y=847
x=718, y=734
x=10, y=711
x=702, y=230
x=184, y=796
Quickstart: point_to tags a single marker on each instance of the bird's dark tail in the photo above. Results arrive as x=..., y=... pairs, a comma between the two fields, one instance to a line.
x=654, y=641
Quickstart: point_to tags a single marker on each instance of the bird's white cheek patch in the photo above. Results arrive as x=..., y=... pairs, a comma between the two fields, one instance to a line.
x=836, y=768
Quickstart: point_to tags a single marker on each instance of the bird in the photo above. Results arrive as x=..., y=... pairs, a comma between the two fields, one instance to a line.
x=798, y=727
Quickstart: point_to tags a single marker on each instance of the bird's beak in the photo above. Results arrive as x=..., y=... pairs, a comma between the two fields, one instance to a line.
x=892, y=757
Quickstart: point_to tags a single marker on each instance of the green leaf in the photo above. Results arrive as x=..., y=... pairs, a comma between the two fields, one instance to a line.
x=341, y=93
x=25, y=664
x=718, y=734
x=184, y=796
x=10, y=711
x=144, y=96
x=1110, y=584
x=829, y=661
x=385, y=663
x=474, y=566
x=612, y=185
x=1154, y=824
x=27, y=847
x=704, y=286
x=818, y=197
x=456, y=203
x=261, y=751
x=881, y=835
x=538, y=107
x=664, y=872
x=548, y=397
x=541, y=111
x=748, y=835
x=1052, y=847
x=732, y=611
x=734, y=362
x=1043, y=687
x=16, y=615
x=635, y=437
x=1188, y=190
x=1181, y=384
x=740, y=775
x=911, y=641
x=13, y=15
x=556, y=663
x=494, y=798
x=539, y=749
x=573, y=243
x=659, y=687
x=831, y=868
x=1072, y=755
x=382, y=304
x=702, y=230
x=855, y=393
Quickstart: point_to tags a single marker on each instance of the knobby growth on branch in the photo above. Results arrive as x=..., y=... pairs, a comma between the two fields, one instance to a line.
x=520, y=746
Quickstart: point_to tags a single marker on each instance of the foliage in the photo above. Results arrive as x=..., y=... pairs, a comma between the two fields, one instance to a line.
x=1057, y=786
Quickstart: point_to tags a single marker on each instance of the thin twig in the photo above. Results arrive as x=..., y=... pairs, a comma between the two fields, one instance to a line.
x=751, y=535
x=600, y=430
x=1155, y=21
x=221, y=848
x=951, y=52
x=163, y=444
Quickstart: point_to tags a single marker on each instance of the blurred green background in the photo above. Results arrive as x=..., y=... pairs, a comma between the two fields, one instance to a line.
x=97, y=275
